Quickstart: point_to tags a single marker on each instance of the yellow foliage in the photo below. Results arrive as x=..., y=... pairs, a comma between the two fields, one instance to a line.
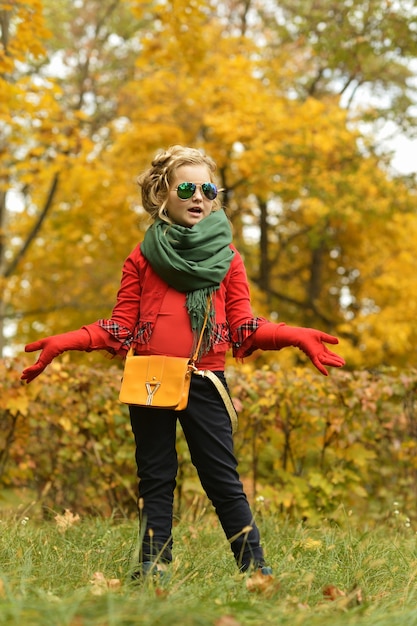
x=360, y=454
x=26, y=33
x=65, y=422
x=17, y=404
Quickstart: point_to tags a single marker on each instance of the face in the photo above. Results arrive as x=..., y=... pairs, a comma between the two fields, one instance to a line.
x=193, y=210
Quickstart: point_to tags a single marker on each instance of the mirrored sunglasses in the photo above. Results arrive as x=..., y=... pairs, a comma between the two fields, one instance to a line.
x=187, y=190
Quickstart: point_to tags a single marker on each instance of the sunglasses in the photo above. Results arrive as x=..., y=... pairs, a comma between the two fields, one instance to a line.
x=187, y=190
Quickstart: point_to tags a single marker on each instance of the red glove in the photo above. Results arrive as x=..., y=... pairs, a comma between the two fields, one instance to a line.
x=275, y=336
x=52, y=347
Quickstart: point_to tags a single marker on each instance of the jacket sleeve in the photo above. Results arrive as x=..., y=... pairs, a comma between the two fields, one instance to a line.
x=120, y=327
x=239, y=313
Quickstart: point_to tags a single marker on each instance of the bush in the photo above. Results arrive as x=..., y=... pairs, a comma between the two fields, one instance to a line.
x=313, y=445
x=67, y=438
x=308, y=446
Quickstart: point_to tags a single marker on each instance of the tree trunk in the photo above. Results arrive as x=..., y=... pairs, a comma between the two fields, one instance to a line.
x=316, y=268
x=264, y=267
x=8, y=269
x=2, y=263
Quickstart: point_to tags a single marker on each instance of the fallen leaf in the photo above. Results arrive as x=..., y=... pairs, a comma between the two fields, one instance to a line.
x=312, y=544
x=260, y=583
x=100, y=584
x=113, y=583
x=345, y=600
x=358, y=596
x=227, y=620
x=66, y=520
x=333, y=593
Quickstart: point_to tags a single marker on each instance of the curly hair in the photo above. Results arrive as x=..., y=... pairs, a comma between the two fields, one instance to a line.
x=156, y=181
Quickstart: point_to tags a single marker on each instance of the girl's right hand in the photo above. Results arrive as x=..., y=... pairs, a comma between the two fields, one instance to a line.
x=53, y=346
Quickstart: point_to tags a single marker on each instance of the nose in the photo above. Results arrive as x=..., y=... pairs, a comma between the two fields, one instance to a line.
x=198, y=193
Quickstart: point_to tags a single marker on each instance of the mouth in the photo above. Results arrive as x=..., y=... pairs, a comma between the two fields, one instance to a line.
x=195, y=210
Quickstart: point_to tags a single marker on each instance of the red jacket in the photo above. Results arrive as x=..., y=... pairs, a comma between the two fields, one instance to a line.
x=152, y=316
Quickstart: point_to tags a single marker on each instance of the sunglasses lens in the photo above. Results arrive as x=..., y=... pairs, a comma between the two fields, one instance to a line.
x=209, y=190
x=185, y=190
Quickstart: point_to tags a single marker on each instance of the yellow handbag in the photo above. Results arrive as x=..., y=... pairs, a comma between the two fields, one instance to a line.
x=159, y=381
x=156, y=381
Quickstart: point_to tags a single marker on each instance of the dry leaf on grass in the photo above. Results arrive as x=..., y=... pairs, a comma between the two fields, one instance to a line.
x=227, y=620
x=331, y=592
x=161, y=593
x=345, y=600
x=263, y=584
x=66, y=520
x=101, y=584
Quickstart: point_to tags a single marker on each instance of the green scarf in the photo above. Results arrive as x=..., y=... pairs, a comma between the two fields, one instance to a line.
x=193, y=261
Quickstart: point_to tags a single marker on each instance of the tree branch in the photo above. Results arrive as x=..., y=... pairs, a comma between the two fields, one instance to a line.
x=32, y=235
x=5, y=33
x=300, y=304
x=17, y=315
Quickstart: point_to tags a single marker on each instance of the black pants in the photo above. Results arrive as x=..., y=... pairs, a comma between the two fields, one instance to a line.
x=207, y=429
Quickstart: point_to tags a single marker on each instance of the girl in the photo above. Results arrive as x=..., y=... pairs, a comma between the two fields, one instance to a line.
x=186, y=255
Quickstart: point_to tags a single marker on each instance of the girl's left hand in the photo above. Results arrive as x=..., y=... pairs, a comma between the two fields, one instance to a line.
x=311, y=341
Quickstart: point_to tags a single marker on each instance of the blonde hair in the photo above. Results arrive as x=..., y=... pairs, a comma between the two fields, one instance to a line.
x=155, y=182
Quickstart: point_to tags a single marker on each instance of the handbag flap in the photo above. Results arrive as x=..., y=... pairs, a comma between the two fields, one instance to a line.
x=154, y=380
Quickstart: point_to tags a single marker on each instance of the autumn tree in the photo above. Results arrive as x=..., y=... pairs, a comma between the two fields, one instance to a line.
x=26, y=134
x=55, y=115
x=354, y=56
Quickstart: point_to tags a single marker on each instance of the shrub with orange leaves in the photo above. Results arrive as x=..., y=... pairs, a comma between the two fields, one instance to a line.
x=308, y=446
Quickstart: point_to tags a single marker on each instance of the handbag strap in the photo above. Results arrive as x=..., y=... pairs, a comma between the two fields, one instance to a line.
x=227, y=400
x=200, y=339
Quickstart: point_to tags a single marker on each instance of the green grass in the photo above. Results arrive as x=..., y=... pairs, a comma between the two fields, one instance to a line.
x=45, y=576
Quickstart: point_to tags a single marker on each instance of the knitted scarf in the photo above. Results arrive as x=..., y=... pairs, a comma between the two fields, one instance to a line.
x=193, y=261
